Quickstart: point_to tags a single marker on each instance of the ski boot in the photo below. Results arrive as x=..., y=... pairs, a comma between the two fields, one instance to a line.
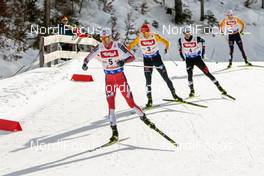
x=229, y=65
x=192, y=93
x=175, y=96
x=220, y=88
x=149, y=103
x=114, y=137
x=248, y=63
x=147, y=121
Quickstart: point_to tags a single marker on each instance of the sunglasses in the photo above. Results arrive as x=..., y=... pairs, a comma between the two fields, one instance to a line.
x=105, y=36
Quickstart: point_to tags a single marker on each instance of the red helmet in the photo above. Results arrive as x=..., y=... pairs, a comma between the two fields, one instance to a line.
x=64, y=18
x=145, y=28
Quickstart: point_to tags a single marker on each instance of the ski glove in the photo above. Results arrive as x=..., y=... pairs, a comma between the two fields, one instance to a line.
x=121, y=63
x=84, y=67
x=203, y=52
x=202, y=55
x=165, y=51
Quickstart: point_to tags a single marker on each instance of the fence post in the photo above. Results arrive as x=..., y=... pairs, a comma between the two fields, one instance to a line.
x=56, y=62
x=41, y=52
x=49, y=64
x=48, y=51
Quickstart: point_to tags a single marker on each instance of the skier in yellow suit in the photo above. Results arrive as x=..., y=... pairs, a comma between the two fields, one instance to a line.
x=233, y=27
x=148, y=42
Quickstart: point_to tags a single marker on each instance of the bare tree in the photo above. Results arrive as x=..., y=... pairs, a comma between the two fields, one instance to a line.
x=202, y=10
x=47, y=6
x=263, y=4
x=81, y=6
x=144, y=8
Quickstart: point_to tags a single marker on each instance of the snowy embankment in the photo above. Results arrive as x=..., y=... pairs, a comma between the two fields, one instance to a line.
x=217, y=48
x=9, y=66
x=62, y=120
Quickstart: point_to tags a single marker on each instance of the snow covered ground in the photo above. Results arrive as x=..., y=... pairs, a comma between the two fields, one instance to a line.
x=62, y=120
x=8, y=65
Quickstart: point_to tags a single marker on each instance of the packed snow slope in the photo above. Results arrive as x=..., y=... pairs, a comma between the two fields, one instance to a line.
x=62, y=120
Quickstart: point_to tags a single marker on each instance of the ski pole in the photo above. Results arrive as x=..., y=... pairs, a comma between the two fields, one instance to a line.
x=128, y=66
x=174, y=62
x=141, y=66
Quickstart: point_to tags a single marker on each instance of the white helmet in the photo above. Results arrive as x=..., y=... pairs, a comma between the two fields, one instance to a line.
x=229, y=13
x=186, y=29
x=105, y=32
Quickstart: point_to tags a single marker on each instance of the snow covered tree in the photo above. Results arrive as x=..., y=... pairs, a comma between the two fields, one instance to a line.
x=211, y=20
x=66, y=7
x=248, y=3
x=5, y=17
x=178, y=11
x=162, y=3
x=130, y=28
x=143, y=8
x=113, y=22
x=107, y=6
x=181, y=15
x=32, y=13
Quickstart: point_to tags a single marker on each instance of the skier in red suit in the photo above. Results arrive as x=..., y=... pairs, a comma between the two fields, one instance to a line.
x=113, y=56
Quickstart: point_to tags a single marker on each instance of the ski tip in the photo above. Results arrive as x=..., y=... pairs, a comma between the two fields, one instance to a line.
x=146, y=108
x=186, y=102
x=229, y=96
x=192, y=97
x=149, y=108
x=233, y=98
x=176, y=145
x=123, y=139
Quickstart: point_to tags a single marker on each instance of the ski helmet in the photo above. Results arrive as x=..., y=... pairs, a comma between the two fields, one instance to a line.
x=145, y=28
x=64, y=18
x=186, y=29
x=105, y=32
x=229, y=13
